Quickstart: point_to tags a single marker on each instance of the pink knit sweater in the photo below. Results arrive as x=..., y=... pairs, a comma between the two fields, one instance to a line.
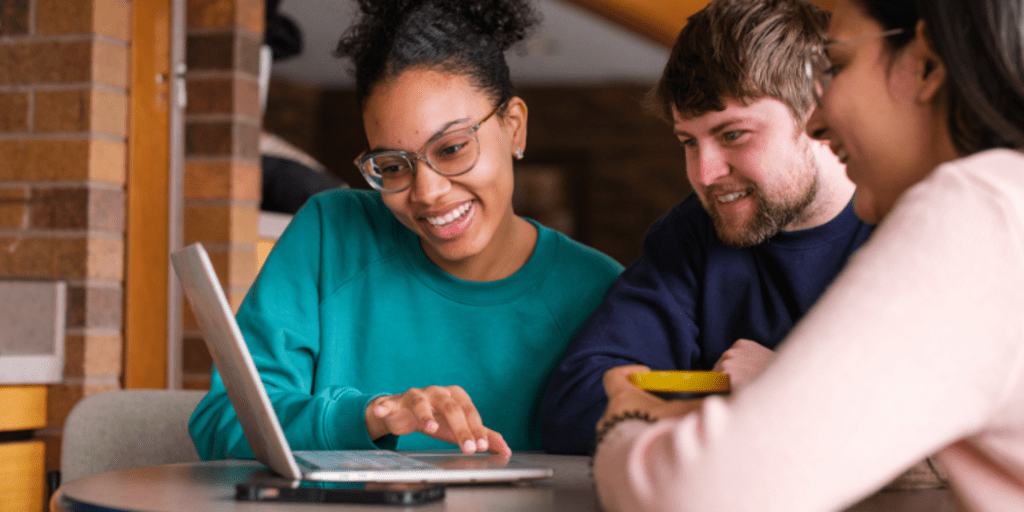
x=916, y=348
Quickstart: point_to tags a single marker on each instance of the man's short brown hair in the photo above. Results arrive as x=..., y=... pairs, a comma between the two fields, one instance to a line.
x=743, y=50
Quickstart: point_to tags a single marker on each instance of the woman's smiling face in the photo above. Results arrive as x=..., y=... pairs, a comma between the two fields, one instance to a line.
x=880, y=114
x=456, y=217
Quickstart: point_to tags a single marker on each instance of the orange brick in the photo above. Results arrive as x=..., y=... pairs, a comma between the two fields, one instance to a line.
x=109, y=18
x=62, y=111
x=52, y=438
x=108, y=161
x=64, y=16
x=65, y=160
x=13, y=208
x=106, y=258
x=196, y=382
x=245, y=14
x=110, y=64
x=62, y=258
x=251, y=15
x=93, y=355
x=221, y=223
x=195, y=356
x=63, y=397
x=43, y=258
x=14, y=16
x=112, y=18
x=82, y=110
x=48, y=62
x=13, y=112
x=222, y=180
x=103, y=356
x=210, y=13
x=236, y=269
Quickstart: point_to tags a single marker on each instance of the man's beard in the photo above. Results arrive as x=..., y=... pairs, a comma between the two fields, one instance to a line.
x=770, y=217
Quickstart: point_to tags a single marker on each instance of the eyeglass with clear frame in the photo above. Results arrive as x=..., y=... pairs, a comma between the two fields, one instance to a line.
x=448, y=154
x=819, y=68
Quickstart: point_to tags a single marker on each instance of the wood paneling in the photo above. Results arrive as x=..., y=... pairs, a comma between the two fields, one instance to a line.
x=21, y=476
x=147, y=246
x=22, y=408
x=657, y=20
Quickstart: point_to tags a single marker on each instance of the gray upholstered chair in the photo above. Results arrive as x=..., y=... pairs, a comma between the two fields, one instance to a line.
x=127, y=429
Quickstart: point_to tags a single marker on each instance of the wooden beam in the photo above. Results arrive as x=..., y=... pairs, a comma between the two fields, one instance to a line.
x=147, y=260
x=657, y=20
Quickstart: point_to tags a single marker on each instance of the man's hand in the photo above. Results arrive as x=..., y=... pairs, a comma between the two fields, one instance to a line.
x=624, y=396
x=744, y=361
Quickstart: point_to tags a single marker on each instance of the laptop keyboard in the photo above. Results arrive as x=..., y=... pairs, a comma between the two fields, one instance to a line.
x=360, y=459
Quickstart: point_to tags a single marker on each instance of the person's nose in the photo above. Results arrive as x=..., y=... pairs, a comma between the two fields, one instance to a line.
x=427, y=184
x=709, y=165
x=817, y=128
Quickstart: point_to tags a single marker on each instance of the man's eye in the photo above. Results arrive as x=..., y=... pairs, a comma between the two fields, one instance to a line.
x=732, y=136
x=689, y=143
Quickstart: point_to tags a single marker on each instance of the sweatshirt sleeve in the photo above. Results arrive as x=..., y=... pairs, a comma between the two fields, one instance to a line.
x=915, y=346
x=280, y=320
x=647, y=317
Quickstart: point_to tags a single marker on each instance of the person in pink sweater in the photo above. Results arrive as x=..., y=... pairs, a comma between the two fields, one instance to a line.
x=918, y=346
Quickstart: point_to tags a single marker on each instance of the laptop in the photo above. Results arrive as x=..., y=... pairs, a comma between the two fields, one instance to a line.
x=263, y=430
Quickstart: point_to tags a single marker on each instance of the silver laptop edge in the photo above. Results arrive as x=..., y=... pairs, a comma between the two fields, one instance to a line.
x=233, y=361
x=252, y=405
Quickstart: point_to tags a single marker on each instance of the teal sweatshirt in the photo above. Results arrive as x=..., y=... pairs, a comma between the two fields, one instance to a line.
x=348, y=307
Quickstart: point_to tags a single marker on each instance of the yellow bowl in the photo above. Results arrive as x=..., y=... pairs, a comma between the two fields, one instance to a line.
x=681, y=381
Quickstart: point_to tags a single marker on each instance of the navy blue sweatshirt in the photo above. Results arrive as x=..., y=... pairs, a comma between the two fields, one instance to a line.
x=684, y=302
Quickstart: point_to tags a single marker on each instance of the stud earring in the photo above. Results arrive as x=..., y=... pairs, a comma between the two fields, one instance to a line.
x=519, y=154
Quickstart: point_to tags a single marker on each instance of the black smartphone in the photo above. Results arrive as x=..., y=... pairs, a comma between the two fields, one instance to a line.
x=276, y=489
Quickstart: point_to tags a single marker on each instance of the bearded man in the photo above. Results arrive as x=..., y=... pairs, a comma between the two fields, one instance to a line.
x=725, y=274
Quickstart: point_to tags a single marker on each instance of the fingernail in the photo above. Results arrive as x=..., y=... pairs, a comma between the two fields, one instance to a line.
x=481, y=444
x=431, y=426
x=469, y=446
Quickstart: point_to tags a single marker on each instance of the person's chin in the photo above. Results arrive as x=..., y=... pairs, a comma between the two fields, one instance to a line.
x=865, y=207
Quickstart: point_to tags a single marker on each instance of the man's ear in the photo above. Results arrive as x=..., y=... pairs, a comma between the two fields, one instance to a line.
x=931, y=70
x=516, y=115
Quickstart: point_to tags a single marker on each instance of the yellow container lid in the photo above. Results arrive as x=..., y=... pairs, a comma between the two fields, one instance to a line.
x=681, y=381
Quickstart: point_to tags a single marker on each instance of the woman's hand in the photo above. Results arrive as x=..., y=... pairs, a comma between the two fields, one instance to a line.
x=444, y=413
x=624, y=396
x=744, y=361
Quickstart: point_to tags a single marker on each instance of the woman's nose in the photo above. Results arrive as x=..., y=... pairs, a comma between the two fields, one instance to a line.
x=428, y=184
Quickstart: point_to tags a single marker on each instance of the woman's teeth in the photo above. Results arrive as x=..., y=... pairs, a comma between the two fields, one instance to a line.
x=728, y=198
x=451, y=216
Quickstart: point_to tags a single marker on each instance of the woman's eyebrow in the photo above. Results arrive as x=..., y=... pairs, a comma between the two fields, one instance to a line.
x=441, y=131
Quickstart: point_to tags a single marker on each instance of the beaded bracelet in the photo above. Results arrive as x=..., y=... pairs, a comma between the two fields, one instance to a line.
x=613, y=421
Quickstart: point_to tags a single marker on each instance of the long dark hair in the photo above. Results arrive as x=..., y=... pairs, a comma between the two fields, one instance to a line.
x=981, y=43
x=466, y=37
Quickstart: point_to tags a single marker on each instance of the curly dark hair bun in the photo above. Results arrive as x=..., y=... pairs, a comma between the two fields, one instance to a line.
x=467, y=37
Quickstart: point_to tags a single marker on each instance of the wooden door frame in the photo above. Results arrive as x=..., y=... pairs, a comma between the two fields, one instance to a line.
x=147, y=245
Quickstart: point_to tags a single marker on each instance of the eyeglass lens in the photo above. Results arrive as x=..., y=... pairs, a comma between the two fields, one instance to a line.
x=453, y=154
x=818, y=70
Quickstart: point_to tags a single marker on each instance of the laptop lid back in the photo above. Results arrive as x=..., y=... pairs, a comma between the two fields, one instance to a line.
x=233, y=361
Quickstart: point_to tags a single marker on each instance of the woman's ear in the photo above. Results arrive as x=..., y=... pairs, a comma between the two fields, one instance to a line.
x=515, y=121
x=931, y=71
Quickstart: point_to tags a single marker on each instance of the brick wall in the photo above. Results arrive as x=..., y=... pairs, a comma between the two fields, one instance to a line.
x=222, y=174
x=623, y=168
x=63, y=129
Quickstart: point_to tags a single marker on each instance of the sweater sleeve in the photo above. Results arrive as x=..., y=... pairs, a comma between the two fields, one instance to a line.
x=914, y=347
x=647, y=317
x=280, y=319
